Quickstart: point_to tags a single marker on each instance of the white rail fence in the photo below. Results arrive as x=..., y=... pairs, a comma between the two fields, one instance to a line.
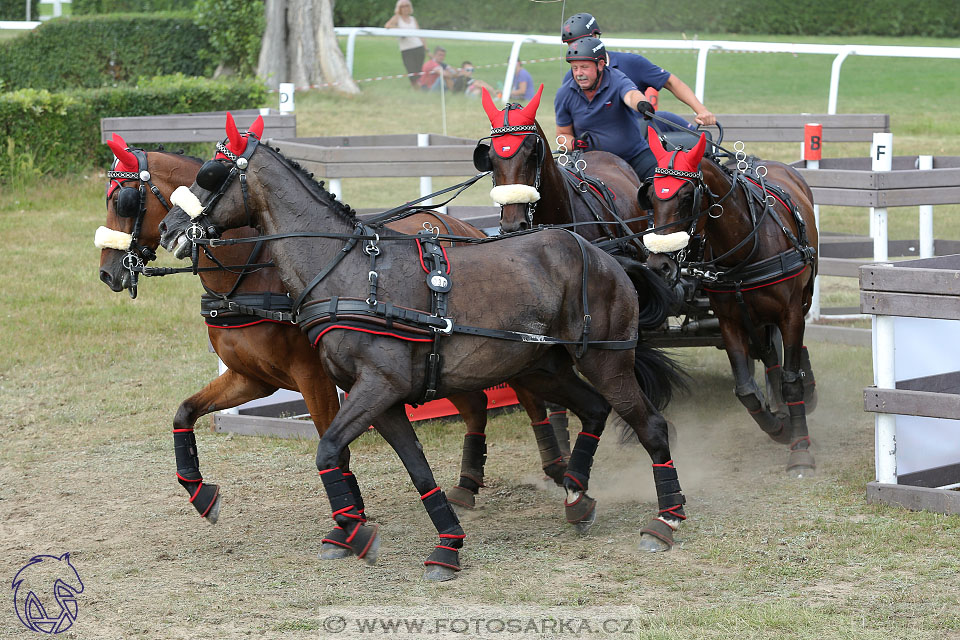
x=703, y=47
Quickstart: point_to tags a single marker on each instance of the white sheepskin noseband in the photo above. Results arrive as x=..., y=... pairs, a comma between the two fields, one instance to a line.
x=182, y=197
x=666, y=243
x=514, y=194
x=109, y=239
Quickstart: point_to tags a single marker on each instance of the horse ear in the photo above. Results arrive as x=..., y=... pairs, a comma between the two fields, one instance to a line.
x=530, y=111
x=696, y=154
x=233, y=135
x=488, y=106
x=654, y=141
x=119, y=148
x=256, y=128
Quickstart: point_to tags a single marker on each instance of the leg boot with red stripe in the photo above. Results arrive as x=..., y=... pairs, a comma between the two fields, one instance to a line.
x=580, y=509
x=551, y=457
x=443, y=563
x=204, y=497
x=362, y=539
x=334, y=545
x=801, y=463
x=471, y=471
x=658, y=534
x=558, y=420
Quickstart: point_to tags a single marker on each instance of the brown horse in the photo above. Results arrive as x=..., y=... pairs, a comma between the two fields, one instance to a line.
x=261, y=354
x=524, y=308
x=755, y=255
x=594, y=194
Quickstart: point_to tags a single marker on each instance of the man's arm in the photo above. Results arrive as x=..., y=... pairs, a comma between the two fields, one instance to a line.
x=565, y=137
x=685, y=94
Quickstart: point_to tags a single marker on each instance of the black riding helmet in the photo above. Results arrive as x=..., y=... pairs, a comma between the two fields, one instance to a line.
x=578, y=26
x=587, y=49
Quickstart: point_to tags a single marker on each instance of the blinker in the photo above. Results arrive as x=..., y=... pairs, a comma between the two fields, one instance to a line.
x=643, y=196
x=212, y=175
x=128, y=203
x=481, y=157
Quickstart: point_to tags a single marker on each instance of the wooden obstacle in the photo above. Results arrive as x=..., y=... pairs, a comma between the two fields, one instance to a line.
x=917, y=392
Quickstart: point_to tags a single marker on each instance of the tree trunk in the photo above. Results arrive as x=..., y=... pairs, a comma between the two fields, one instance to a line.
x=300, y=46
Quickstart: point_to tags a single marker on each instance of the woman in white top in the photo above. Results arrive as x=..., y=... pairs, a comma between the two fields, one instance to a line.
x=413, y=50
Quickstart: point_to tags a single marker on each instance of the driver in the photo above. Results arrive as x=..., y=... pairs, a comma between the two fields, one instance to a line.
x=641, y=71
x=601, y=103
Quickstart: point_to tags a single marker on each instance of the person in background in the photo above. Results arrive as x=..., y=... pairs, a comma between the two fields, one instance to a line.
x=412, y=50
x=638, y=69
x=465, y=82
x=523, y=88
x=435, y=71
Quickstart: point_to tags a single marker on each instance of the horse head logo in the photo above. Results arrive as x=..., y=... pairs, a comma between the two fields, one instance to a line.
x=45, y=593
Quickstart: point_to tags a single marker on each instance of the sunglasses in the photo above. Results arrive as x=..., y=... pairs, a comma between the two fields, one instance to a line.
x=468, y=69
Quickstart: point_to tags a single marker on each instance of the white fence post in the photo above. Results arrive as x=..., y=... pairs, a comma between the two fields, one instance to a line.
x=426, y=182
x=925, y=163
x=812, y=151
x=881, y=153
x=885, y=378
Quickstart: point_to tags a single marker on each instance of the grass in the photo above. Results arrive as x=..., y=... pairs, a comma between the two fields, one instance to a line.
x=89, y=382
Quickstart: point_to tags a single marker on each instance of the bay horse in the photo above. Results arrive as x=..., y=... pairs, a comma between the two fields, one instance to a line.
x=755, y=256
x=594, y=194
x=522, y=309
x=261, y=354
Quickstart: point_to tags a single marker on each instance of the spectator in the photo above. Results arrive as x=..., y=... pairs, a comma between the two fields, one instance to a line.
x=413, y=50
x=435, y=71
x=465, y=82
x=523, y=88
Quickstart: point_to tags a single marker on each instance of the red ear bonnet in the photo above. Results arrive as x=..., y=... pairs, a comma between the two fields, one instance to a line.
x=125, y=161
x=506, y=144
x=236, y=142
x=664, y=187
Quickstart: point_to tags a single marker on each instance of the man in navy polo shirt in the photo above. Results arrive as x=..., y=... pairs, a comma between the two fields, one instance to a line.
x=641, y=71
x=602, y=106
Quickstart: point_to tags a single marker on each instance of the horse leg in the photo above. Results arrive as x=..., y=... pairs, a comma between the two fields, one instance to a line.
x=592, y=410
x=443, y=563
x=800, y=463
x=560, y=424
x=809, y=383
x=769, y=353
x=227, y=390
x=748, y=393
x=628, y=400
x=551, y=450
x=473, y=410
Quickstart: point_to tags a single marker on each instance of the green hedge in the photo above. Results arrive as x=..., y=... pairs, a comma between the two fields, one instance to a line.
x=57, y=133
x=95, y=51
x=931, y=18
x=93, y=7
x=17, y=10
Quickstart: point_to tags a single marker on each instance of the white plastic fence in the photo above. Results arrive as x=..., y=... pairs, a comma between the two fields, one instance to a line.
x=703, y=47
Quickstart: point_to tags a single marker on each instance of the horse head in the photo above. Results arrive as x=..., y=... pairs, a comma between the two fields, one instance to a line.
x=217, y=186
x=515, y=158
x=137, y=182
x=675, y=197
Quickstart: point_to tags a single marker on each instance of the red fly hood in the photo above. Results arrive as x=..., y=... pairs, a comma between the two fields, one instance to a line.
x=664, y=187
x=506, y=144
x=125, y=161
x=236, y=142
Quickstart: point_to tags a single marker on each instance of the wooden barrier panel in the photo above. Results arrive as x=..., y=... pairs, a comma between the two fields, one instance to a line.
x=783, y=127
x=194, y=127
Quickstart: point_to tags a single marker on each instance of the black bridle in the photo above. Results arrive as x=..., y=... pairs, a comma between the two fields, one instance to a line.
x=131, y=202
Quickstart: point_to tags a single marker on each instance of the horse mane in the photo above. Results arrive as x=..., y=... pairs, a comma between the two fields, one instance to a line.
x=315, y=187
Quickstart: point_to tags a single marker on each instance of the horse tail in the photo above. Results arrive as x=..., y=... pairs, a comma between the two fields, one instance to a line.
x=655, y=297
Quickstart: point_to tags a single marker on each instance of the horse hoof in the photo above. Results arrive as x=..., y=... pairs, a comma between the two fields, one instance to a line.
x=801, y=464
x=460, y=497
x=370, y=557
x=652, y=544
x=333, y=552
x=584, y=525
x=437, y=573
x=214, y=512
